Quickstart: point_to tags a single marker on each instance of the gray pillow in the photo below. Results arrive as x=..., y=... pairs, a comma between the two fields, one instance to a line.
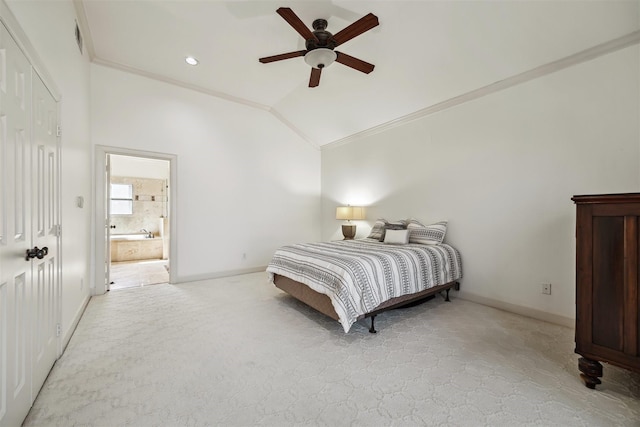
x=377, y=232
x=426, y=234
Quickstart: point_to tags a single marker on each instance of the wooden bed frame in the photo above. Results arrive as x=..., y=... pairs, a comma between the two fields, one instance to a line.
x=322, y=303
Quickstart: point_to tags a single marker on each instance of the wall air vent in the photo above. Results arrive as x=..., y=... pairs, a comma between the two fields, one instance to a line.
x=78, y=38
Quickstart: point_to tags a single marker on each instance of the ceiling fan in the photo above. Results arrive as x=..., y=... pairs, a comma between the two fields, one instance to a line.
x=320, y=44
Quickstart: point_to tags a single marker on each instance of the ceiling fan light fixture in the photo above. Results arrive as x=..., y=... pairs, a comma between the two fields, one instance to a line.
x=320, y=57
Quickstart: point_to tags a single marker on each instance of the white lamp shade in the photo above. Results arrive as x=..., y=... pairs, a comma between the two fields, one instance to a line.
x=349, y=212
x=320, y=57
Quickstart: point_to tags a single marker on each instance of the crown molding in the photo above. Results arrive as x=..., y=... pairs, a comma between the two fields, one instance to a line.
x=83, y=24
x=611, y=46
x=290, y=125
x=176, y=82
x=206, y=91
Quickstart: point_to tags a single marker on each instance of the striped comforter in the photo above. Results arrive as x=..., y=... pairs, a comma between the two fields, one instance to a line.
x=359, y=275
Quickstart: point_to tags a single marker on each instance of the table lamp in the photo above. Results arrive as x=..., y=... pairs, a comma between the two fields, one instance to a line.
x=349, y=213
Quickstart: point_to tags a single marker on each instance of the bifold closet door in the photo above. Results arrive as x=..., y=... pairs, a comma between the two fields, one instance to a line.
x=29, y=194
x=15, y=232
x=45, y=220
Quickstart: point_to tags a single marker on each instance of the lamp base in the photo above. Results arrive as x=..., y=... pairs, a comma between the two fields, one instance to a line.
x=349, y=231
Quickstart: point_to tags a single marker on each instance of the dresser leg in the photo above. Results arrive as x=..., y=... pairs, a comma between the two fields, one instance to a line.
x=590, y=370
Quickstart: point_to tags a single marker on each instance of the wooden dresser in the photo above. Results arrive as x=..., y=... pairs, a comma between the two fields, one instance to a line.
x=607, y=283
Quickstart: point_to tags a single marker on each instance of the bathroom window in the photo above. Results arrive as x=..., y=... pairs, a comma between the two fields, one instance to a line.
x=121, y=199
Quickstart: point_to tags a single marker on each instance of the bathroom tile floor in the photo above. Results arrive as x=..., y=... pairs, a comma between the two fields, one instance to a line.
x=133, y=274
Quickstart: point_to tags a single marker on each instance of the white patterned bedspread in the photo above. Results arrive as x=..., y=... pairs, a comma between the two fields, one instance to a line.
x=359, y=275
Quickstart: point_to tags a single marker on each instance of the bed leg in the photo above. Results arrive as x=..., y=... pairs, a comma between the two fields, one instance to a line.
x=457, y=286
x=372, y=329
x=446, y=296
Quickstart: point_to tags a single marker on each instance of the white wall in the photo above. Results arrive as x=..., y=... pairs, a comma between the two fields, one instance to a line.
x=50, y=28
x=502, y=170
x=246, y=183
x=138, y=167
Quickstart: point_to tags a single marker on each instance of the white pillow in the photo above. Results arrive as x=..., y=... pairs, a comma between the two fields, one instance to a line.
x=397, y=237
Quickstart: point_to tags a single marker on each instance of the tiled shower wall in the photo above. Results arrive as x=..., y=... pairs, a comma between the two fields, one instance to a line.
x=149, y=205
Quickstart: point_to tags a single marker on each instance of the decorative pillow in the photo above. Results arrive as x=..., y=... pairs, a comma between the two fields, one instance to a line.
x=377, y=232
x=426, y=234
x=398, y=225
x=396, y=237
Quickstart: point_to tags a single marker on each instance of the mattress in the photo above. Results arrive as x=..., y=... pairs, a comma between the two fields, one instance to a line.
x=360, y=275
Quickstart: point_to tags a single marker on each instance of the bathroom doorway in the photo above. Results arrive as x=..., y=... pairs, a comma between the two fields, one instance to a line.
x=143, y=223
x=138, y=218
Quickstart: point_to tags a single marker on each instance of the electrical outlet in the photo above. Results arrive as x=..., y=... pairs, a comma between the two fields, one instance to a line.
x=546, y=288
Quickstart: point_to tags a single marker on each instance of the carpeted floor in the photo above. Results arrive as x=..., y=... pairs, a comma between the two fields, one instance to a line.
x=237, y=351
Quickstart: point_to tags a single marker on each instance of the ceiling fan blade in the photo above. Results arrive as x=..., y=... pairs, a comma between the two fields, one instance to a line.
x=282, y=56
x=314, y=80
x=360, y=26
x=297, y=24
x=355, y=63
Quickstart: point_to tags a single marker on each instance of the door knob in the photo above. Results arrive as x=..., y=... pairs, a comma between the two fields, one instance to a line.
x=36, y=253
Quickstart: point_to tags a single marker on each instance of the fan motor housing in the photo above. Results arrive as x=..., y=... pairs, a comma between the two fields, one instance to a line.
x=325, y=38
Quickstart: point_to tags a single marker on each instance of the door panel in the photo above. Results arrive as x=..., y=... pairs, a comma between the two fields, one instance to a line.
x=21, y=334
x=608, y=282
x=15, y=271
x=3, y=348
x=45, y=220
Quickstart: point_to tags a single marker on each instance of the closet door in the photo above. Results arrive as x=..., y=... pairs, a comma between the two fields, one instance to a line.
x=15, y=233
x=29, y=218
x=45, y=220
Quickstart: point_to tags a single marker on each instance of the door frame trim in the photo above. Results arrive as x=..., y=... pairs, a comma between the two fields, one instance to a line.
x=100, y=153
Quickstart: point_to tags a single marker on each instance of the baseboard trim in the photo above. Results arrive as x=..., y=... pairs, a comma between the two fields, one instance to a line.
x=220, y=274
x=519, y=309
x=74, y=324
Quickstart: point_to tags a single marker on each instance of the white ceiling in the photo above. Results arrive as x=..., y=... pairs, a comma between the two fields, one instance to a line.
x=425, y=52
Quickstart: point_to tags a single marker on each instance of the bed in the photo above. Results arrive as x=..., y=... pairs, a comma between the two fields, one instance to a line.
x=349, y=280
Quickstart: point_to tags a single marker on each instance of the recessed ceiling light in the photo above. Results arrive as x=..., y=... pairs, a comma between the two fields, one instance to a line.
x=191, y=60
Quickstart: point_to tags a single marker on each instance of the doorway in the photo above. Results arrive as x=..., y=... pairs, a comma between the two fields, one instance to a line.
x=138, y=221
x=135, y=219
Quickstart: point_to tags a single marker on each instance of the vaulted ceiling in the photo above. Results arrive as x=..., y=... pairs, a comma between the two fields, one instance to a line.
x=425, y=52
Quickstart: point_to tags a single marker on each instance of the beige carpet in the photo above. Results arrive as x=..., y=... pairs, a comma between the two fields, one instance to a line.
x=238, y=352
